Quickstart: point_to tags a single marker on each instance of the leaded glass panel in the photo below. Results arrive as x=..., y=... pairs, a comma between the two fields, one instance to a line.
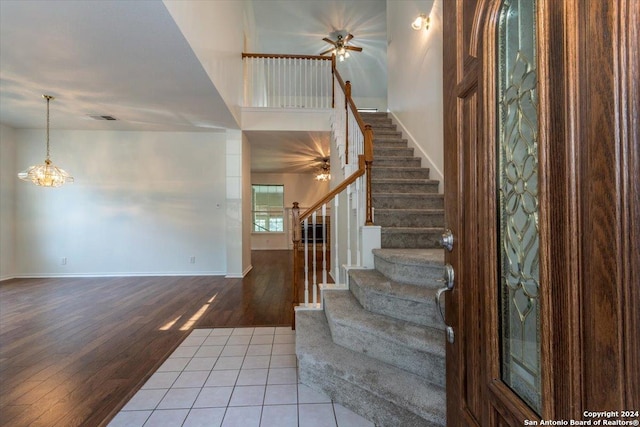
x=518, y=200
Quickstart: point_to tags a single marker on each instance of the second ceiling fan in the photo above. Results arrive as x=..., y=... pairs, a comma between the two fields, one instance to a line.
x=341, y=47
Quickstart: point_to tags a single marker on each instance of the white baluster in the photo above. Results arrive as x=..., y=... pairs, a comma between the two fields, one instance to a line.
x=306, y=262
x=315, y=270
x=349, y=260
x=335, y=244
x=324, y=245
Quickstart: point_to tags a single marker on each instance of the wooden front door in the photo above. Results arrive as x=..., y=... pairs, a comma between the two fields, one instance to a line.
x=542, y=196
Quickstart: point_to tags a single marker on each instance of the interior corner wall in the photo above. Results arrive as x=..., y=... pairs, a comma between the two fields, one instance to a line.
x=8, y=180
x=143, y=203
x=215, y=32
x=298, y=187
x=234, y=205
x=246, y=205
x=414, y=61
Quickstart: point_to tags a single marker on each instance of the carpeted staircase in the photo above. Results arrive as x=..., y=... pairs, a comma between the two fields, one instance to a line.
x=380, y=348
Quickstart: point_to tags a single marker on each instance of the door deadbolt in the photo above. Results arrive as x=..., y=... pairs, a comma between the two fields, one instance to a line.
x=446, y=241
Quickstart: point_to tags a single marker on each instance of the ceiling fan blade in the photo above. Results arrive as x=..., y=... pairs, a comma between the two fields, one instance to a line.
x=349, y=37
x=356, y=48
x=328, y=40
x=327, y=51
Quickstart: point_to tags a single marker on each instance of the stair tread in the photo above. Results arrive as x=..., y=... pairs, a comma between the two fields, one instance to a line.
x=404, y=180
x=402, y=388
x=408, y=210
x=374, y=193
x=428, y=257
x=343, y=308
x=411, y=229
x=377, y=282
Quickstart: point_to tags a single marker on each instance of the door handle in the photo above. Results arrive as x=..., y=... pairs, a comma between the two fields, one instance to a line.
x=449, y=282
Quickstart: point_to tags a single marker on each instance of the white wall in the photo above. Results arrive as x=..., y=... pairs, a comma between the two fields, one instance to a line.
x=215, y=32
x=414, y=61
x=8, y=181
x=142, y=203
x=298, y=187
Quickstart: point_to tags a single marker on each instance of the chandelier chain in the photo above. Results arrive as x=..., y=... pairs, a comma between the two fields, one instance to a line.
x=48, y=98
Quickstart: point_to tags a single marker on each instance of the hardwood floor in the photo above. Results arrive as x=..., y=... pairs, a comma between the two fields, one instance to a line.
x=72, y=351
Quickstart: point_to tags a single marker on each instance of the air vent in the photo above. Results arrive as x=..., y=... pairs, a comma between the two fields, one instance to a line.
x=103, y=118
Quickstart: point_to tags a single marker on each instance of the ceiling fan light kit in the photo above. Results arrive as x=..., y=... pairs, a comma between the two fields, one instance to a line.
x=46, y=174
x=341, y=47
x=324, y=174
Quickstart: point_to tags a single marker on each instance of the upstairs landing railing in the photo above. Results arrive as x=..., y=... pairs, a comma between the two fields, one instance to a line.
x=329, y=234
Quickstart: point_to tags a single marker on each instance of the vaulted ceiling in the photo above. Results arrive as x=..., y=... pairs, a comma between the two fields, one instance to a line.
x=129, y=59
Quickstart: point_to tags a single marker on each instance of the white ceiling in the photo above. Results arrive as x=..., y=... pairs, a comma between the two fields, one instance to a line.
x=129, y=59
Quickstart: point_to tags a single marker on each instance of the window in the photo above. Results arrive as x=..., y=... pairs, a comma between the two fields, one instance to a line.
x=268, y=208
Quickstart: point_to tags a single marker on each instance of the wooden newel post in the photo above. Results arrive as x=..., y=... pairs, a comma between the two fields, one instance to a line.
x=368, y=161
x=295, y=224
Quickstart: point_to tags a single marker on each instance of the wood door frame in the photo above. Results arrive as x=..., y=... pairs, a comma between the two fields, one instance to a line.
x=589, y=191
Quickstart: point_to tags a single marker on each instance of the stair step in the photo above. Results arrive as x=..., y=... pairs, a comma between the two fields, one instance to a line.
x=422, y=267
x=374, y=114
x=387, y=132
x=398, y=172
x=414, y=348
x=407, y=201
x=399, y=185
x=412, y=303
x=391, y=152
x=384, y=394
x=411, y=237
x=409, y=217
x=389, y=143
x=382, y=124
x=397, y=161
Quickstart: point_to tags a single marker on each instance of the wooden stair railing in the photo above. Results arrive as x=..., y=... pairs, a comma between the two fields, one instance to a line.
x=365, y=162
x=319, y=92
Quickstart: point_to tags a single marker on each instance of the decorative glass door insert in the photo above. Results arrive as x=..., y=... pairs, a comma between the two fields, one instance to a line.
x=518, y=239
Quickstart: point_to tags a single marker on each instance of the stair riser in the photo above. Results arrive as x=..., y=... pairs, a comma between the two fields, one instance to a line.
x=392, y=152
x=427, y=365
x=373, y=394
x=379, y=411
x=420, y=312
x=392, y=239
x=407, y=162
x=383, y=125
x=387, y=133
x=414, y=202
x=390, y=142
x=398, y=173
x=402, y=218
x=408, y=187
x=421, y=275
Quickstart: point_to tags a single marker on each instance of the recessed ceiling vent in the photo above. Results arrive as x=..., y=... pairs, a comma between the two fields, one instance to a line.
x=103, y=117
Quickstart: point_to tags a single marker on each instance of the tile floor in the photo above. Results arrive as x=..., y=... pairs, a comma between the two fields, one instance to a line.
x=233, y=377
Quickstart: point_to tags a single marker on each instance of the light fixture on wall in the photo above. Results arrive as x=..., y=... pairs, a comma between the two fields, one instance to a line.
x=422, y=21
x=324, y=174
x=46, y=174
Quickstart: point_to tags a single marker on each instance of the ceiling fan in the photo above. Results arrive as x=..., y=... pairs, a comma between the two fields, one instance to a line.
x=340, y=47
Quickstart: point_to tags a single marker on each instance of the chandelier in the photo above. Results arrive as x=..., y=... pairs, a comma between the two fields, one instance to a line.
x=46, y=174
x=324, y=174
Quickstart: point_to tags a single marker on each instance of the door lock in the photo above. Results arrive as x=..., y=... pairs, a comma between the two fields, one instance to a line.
x=449, y=282
x=446, y=241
